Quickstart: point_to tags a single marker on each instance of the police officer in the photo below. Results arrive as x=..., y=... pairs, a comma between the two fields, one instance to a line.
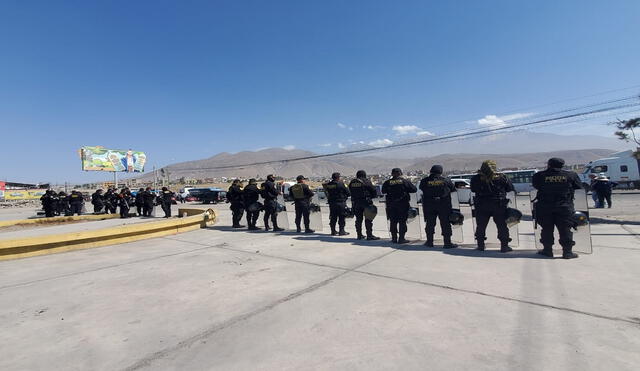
x=270, y=194
x=140, y=201
x=124, y=201
x=302, y=195
x=436, y=203
x=76, y=201
x=397, y=190
x=337, y=195
x=490, y=201
x=250, y=196
x=63, y=203
x=97, y=200
x=362, y=195
x=149, y=199
x=166, y=199
x=49, y=203
x=554, y=206
x=234, y=196
x=111, y=201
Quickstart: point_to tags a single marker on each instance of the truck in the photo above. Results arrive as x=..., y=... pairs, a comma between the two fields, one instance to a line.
x=621, y=167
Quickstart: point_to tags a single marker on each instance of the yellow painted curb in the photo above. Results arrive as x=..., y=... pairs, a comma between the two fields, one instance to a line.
x=56, y=219
x=24, y=247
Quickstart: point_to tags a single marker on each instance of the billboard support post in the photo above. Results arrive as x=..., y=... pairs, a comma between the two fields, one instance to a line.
x=115, y=180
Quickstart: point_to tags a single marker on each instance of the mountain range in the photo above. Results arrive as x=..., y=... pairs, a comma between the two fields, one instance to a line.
x=513, y=150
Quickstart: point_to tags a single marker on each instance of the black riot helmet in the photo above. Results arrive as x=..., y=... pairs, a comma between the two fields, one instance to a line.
x=396, y=171
x=361, y=174
x=412, y=213
x=370, y=212
x=513, y=216
x=436, y=169
x=456, y=218
x=555, y=163
x=579, y=219
x=347, y=212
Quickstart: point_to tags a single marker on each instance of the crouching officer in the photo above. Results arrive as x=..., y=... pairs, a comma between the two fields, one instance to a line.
x=149, y=199
x=76, y=201
x=337, y=194
x=554, y=207
x=97, y=200
x=166, y=199
x=250, y=196
x=397, y=190
x=362, y=195
x=302, y=195
x=49, y=203
x=490, y=201
x=436, y=204
x=234, y=195
x=270, y=194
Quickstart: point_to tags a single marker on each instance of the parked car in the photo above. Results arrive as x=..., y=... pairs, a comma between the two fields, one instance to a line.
x=208, y=195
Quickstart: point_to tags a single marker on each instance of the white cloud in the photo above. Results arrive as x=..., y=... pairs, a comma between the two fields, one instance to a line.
x=325, y=145
x=289, y=147
x=425, y=132
x=405, y=129
x=494, y=121
x=372, y=127
x=381, y=142
x=341, y=146
x=341, y=125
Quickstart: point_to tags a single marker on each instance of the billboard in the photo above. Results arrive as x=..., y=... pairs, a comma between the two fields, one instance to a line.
x=24, y=194
x=103, y=159
x=2, y=186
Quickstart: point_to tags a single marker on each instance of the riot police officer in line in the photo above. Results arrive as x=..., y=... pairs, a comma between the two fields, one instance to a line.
x=49, y=203
x=250, y=197
x=63, y=204
x=166, y=199
x=149, y=199
x=302, y=195
x=76, y=201
x=111, y=201
x=397, y=190
x=234, y=196
x=124, y=201
x=270, y=194
x=554, y=206
x=436, y=203
x=140, y=201
x=490, y=201
x=97, y=200
x=337, y=195
x=362, y=195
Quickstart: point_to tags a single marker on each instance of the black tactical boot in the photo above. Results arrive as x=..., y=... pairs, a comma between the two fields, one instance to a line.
x=343, y=232
x=334, y=232
x=504, y=247
x=298, y=229
x=567, y=253
x=309, y=230
x=371, y=237
x=402, y=240
x=546, y=251
x=394, y=238
x=429, y=242
x=448, y=244
x=480, y=245
x=277, y=229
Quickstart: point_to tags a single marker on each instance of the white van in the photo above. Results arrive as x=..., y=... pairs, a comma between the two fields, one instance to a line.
x=621, y=167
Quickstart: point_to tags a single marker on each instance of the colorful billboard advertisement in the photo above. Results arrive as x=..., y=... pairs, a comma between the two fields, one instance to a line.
x=23, y=194
x=2, y=186
x=104, y=159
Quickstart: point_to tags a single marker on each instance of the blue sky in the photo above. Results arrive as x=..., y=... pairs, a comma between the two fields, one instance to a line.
x=184, y=80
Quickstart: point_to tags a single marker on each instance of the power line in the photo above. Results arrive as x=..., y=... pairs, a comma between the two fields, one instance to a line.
x=448, y=137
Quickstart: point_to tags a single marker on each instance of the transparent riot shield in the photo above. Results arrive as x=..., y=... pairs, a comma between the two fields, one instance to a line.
x=315, y=213
x=414, y=225
x=491, y=233
x=456, y=229
x=581, y=232
x=282, y=216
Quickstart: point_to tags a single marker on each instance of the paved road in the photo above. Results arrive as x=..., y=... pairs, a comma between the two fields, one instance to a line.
x=222, y=299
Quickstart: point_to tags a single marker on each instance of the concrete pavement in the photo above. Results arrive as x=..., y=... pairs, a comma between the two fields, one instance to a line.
x=223, y=299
